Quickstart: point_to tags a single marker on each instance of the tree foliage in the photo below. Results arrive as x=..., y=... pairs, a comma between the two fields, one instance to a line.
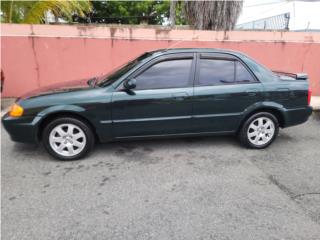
x=129, y=12
x=213, y=15
x=177, y=13
x=35, y=11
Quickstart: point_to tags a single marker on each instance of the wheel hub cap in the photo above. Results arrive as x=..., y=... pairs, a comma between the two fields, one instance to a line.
x=67, y=139
x=261, y=131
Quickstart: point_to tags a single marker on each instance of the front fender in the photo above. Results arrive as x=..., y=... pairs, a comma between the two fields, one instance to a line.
x=56, y=109
x=26, y=128
x=61, y=108
x=102, y=131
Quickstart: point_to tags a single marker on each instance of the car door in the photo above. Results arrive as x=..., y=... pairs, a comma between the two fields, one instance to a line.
x=224, y=88
x=161, y=103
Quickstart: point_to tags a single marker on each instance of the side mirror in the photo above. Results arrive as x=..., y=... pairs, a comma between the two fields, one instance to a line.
x=92, y=82
x=130, y=84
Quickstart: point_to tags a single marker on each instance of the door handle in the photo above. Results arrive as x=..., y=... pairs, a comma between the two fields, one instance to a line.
x=180, y=96
x=252, y=92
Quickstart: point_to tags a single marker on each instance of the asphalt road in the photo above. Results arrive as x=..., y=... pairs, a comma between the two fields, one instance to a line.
x=199, y=188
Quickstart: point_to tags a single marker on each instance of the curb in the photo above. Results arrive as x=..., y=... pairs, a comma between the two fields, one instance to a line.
x=315, y=103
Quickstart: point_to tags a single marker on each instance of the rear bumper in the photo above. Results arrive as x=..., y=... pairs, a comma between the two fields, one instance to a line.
x=23, y=129
x=297, y=116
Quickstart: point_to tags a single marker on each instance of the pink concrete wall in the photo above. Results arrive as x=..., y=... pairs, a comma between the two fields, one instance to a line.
x=34, y=56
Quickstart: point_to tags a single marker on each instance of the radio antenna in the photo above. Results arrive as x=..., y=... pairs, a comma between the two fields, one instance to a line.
x=176, y=43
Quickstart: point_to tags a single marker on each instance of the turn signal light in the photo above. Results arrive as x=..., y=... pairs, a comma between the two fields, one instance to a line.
x=16, y=110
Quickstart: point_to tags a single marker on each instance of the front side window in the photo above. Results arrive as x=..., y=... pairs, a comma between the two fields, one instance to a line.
x=216, y=72
x=166, y=74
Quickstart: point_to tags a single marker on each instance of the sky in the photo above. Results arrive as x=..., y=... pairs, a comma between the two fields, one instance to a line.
x=303, y=14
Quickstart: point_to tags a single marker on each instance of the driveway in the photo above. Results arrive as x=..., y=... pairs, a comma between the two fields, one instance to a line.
x=196, y=188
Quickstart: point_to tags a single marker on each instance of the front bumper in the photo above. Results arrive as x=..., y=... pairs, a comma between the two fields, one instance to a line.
x=21, y=129
x=297, y=116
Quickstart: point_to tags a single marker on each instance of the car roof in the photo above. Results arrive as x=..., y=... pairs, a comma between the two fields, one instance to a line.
x=194, y=50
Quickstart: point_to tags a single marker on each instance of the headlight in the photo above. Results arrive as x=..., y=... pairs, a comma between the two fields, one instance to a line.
x=16, y=110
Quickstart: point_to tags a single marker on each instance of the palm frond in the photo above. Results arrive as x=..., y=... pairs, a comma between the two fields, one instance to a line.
x=59, y=8
x=35, y=11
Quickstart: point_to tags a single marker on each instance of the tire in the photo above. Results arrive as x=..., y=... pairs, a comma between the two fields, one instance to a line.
x=67, y=138
x=255, y=135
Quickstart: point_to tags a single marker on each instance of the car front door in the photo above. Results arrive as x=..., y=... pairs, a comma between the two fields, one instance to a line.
x=224, y=88
x=161, y=102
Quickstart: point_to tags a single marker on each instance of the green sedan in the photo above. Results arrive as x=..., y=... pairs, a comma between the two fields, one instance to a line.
x=164, y=93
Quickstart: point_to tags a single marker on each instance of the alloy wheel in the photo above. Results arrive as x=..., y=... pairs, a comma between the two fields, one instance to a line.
x=260, y=131
x=67, y=139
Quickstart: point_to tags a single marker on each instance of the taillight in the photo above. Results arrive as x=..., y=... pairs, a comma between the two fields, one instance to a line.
x=309, y=96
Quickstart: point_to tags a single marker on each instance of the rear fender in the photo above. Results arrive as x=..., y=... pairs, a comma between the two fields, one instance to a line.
x=264, y=106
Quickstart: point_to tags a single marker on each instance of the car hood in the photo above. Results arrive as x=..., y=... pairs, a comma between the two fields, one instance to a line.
x=70, y=86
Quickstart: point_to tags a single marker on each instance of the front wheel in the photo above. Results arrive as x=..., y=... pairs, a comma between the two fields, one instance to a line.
x=67, y=138
x=259, y=131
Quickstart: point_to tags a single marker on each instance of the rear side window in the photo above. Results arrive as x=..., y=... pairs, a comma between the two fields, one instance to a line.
x=242, y=74
x=216, y=72
x=166, y=74
x=263, y=73
x=221, y=71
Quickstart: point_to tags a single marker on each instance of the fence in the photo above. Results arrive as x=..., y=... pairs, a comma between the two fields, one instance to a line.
x=36, y=56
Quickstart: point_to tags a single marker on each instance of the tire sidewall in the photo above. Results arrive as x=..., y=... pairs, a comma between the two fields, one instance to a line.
x=244, y=130
x=65, y=120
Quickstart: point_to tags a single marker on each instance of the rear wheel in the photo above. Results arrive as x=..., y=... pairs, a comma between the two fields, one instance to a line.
x=68, y=138
x=259, y=131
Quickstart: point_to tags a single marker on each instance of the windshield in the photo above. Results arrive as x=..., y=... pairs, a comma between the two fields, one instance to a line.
x=110, y=78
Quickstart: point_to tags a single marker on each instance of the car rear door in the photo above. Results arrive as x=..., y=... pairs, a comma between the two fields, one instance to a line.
x=224, y=88
x=161, y=103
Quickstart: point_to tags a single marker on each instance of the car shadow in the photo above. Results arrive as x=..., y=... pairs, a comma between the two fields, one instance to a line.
x=29, y=151
x=168, y=143
x=127, y=147
x=137, y=149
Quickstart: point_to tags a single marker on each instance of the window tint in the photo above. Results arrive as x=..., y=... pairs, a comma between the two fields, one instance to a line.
x=216, y=72
x=167, y=74
x=242, y=74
